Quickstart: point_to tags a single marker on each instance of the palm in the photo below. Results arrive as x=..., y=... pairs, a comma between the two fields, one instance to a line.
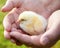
x=40, y=7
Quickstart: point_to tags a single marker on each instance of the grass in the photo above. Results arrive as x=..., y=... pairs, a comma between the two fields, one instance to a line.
x=6, y=43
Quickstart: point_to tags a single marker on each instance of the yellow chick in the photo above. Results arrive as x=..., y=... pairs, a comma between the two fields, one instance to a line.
x=32, y=23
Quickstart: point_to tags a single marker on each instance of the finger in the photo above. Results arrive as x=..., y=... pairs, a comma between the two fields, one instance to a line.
x=20, y=36
x=54, y=19
x=10, y=4
x=17, y=41
x=50, y=36
x=9, y=19
x=26, y=39
x=7, y=35
x=7, y=22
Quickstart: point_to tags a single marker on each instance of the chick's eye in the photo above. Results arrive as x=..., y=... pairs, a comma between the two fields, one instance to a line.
x=23, y=20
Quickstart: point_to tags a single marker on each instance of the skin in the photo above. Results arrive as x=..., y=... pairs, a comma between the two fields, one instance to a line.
x=45, y=8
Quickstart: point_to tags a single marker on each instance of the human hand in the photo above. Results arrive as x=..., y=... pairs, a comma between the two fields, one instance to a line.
x=43, y=8
x=49, y=38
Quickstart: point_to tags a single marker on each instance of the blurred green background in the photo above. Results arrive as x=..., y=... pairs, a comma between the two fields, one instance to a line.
x=6, y=43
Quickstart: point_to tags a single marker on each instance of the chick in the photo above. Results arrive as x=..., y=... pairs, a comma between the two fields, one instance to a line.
x=32, y=23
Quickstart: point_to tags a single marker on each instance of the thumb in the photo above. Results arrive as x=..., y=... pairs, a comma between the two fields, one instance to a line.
x=50, y=36
x=8, y=6
x=53, y=30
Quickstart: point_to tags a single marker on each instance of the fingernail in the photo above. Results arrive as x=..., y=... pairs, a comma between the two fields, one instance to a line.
x=45, y=41
x=13, y=41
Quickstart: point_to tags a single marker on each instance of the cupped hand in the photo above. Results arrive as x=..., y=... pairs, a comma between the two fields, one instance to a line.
x=45, y=8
